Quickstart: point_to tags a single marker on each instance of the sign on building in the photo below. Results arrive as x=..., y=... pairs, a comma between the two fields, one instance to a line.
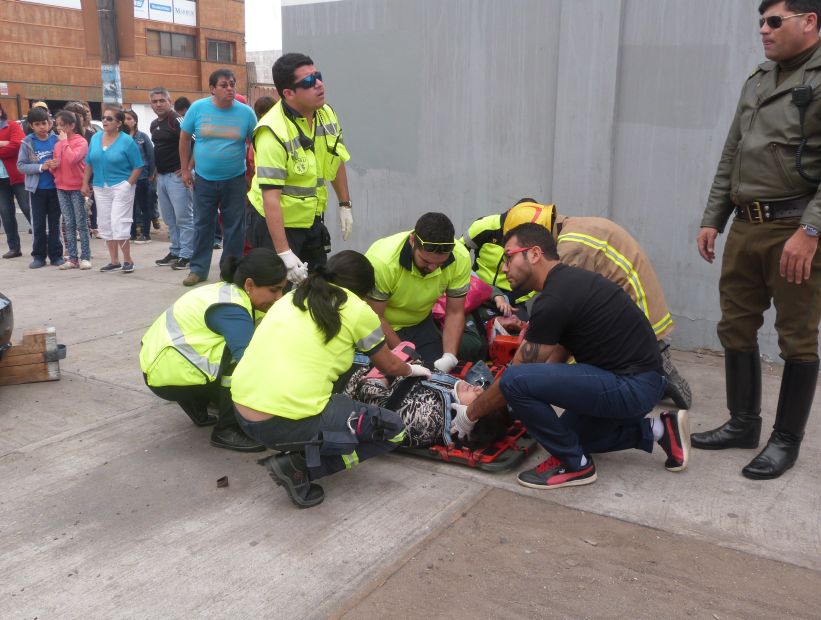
x=171, y=11
x=66, y=4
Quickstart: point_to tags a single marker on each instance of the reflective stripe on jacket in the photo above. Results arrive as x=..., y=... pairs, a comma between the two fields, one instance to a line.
x=600, y=245
x=484, y=237
x=179, y=348
x=300, y=171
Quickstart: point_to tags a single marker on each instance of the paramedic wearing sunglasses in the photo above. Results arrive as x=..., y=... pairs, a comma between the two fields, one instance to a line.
x=768, y=182
x=592, y=243
x=616, y=380
x=282, y=385
x=412, y=270
x=297, y=148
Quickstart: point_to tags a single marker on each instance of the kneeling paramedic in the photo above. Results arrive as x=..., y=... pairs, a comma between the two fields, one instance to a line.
x=282, y=387
x=188, y=353
x=413, y=269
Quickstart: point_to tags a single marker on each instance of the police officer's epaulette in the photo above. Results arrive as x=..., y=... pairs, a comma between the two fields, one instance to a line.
x=763, y=68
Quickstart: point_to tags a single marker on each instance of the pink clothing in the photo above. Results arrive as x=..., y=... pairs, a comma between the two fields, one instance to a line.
x=71, y=153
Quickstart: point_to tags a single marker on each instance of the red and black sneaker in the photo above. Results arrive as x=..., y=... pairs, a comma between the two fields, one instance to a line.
x=553, y=474
x=676, y=439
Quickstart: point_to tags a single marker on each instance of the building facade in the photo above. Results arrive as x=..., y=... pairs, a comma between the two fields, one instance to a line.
x=49, y=50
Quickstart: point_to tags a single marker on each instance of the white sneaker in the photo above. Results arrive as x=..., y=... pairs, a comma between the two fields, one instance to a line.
x=85, y=264
x=69, y=264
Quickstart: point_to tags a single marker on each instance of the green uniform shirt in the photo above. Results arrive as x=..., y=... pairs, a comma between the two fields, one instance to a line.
x=289, y=370
x=409, y=294
x=758, y=159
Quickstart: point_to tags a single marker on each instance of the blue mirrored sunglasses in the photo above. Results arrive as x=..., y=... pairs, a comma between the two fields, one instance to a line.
x=309, y=81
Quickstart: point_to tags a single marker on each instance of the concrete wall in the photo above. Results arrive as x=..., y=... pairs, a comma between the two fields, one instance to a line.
x=616, y=108
x=263, y=61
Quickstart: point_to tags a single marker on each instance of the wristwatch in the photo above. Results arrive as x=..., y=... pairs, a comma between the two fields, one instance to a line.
x=349, y=204
x=811, y=231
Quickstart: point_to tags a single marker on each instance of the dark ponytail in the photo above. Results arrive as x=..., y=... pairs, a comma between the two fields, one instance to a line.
x=262, y=265
x=321, y=290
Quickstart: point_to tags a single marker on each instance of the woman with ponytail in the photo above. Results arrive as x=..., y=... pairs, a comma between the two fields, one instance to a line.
x=282, y=387
x=189, y=352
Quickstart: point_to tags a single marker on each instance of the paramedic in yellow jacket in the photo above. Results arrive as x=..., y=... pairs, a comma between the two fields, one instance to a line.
x=413, y=269
x=297, y=148
x=596, y=244
x=282, y=387
x=188, y=353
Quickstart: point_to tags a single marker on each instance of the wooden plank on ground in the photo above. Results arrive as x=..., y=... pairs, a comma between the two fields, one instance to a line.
x=33, y=360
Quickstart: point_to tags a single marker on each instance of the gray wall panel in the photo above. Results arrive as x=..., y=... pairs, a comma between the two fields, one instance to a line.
x=616, y=108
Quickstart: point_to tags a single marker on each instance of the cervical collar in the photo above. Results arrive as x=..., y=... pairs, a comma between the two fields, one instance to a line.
x=454, y=393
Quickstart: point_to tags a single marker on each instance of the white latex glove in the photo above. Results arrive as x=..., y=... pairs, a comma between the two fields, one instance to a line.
x=417, y=370
x=446, y=363
x=461, y=425
x=346, y=221
x=297, y=270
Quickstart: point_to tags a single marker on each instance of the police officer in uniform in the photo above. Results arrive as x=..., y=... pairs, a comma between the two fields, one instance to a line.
x=188, y=353
x=768, y=179
x=297, y=147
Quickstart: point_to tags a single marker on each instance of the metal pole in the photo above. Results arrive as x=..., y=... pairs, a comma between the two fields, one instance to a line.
x=109, y=54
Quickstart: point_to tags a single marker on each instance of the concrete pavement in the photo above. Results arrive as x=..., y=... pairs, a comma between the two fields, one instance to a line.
x=110, y=506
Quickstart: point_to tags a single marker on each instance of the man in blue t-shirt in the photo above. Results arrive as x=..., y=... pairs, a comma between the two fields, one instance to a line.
x=221, y=128
x=36, y=161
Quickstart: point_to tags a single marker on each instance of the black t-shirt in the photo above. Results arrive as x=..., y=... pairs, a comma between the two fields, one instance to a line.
x=595, y=320
x=165, y=134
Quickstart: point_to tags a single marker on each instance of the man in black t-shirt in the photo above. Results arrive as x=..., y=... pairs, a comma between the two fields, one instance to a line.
x=175, y=199
x=606, y=394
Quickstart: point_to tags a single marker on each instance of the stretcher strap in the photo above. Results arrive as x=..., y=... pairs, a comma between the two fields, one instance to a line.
x=443, y=384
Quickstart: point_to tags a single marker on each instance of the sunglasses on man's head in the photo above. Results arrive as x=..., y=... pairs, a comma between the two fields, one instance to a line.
x=439, y=247
x=776, y=21
x=309, y=81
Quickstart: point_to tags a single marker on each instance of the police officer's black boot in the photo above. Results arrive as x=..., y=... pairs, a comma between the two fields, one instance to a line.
x=743, y=429
x=794, y=404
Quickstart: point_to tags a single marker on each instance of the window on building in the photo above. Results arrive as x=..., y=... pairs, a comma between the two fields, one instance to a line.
x=220, y=51
x=171, y=44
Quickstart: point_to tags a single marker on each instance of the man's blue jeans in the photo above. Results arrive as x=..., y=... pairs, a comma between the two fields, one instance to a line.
x=229, y=196
x=8, y=212
x=177, y=207
x=604, y=412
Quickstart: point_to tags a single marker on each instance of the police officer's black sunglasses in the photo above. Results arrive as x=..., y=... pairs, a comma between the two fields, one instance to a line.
x=776, y=21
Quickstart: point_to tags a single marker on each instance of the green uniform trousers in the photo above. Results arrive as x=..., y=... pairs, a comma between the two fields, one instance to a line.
x=750, y=279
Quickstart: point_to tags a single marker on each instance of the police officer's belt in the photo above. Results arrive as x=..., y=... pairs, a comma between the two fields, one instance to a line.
x=759, y=212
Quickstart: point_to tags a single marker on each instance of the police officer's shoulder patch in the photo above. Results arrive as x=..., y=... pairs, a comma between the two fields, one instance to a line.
x=763, y=68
